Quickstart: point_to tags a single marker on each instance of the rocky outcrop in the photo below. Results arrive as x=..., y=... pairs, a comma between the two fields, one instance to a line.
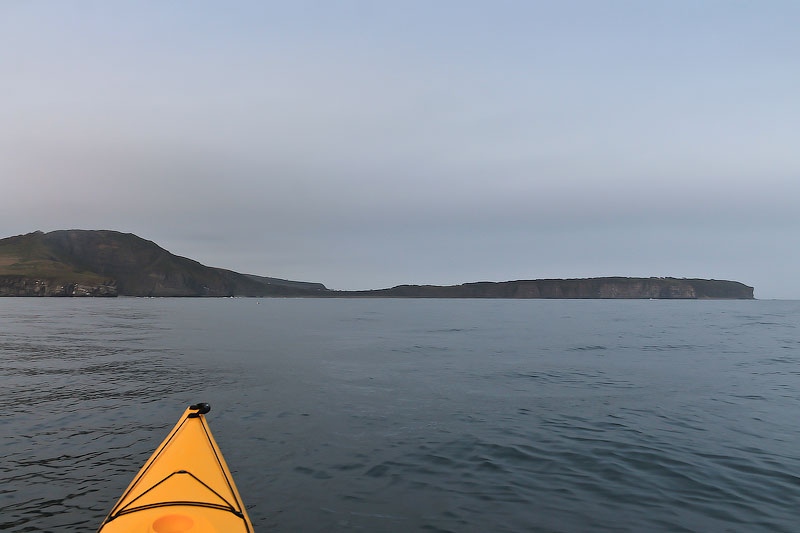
x=596, y=288
x=22, y=286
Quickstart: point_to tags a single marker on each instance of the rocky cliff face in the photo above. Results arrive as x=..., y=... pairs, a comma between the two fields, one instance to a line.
x=22, y=286
x=599, y=288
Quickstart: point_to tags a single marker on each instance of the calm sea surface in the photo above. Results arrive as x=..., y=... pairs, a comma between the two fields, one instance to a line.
x=413, y=415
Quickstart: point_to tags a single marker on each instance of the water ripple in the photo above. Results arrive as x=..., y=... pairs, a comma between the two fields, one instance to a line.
x=395, y=415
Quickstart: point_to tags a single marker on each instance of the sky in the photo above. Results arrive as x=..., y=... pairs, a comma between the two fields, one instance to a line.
x=367, y=144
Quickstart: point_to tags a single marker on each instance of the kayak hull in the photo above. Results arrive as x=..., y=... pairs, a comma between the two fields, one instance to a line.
x=184, y=487
x=176, y=519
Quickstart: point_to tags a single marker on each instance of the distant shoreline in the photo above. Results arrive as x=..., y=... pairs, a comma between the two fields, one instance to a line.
x=615, y=288
x=102, y=263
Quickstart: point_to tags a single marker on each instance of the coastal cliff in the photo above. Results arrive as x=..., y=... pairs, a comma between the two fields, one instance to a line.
x=110, y=263
x=22, y=286
x=594, y=288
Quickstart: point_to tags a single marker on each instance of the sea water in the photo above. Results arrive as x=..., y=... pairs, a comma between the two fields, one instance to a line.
x=413, y=415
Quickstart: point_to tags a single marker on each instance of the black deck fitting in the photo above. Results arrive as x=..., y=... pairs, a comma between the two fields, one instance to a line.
x=201, y=408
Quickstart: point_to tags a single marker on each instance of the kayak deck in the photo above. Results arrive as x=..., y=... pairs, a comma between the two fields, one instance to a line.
x=185, y=486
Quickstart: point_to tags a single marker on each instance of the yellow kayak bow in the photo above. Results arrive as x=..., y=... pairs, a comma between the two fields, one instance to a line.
x=185, y=487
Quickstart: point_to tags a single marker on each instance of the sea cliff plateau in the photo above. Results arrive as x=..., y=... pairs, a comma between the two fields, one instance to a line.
x=597, y=288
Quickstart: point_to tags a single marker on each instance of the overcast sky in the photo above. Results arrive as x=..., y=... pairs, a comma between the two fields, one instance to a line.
x=367, y=144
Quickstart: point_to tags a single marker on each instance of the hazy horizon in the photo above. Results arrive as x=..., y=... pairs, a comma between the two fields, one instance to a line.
x=367, y=145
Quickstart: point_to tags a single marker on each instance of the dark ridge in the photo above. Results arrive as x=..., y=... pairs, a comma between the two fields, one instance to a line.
x=305, y=285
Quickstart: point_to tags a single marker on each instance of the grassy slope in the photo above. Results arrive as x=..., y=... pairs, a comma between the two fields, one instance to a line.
x=31, y=256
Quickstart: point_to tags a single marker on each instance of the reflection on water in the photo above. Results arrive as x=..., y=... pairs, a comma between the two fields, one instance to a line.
x=404, y=415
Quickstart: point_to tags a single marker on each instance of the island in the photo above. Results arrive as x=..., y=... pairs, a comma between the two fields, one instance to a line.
x=111, y=263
